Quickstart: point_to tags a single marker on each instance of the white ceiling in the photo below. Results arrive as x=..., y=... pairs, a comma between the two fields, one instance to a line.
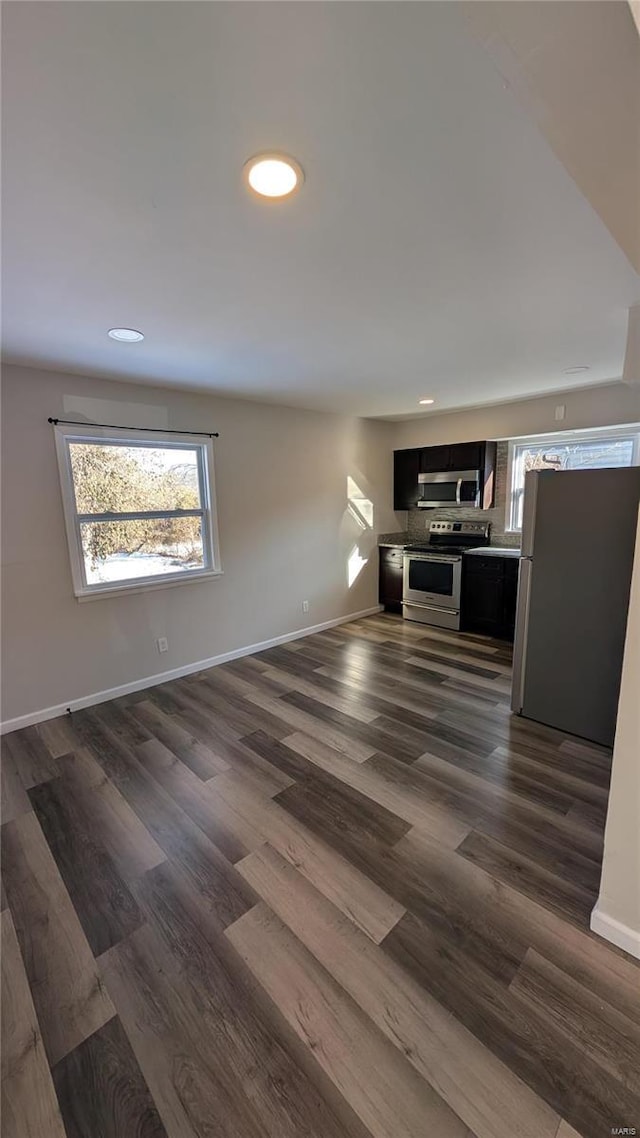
x=438, y=246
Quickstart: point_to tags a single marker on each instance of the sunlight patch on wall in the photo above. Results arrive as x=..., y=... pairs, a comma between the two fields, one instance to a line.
x=355, y=565
x=360, y=507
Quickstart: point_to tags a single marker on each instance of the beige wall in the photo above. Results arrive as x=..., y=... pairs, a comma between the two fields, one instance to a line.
x=617, y=914
x=602, y=406
x=286, y=535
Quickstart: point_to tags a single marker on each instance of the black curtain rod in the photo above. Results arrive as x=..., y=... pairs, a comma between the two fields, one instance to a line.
x=152, y=430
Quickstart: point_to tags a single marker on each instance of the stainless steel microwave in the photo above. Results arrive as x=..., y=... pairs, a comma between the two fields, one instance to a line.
x=450, y=488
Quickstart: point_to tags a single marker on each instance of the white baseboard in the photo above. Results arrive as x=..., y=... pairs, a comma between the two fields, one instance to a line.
x=614, y=931
x=175, y=673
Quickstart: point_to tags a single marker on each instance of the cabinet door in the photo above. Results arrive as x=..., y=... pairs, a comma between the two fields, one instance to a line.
x=482, y=603
x=466, y=456
x=433, y=459
x=405, y=479
x=390, y=587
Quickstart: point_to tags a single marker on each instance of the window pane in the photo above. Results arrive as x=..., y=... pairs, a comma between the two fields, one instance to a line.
x=577, y=456
x=123, y=551
x=125, y=479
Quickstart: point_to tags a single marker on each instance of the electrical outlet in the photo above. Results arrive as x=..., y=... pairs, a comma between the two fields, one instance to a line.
x=163, y=644
x=305, y=606
x=560, y=412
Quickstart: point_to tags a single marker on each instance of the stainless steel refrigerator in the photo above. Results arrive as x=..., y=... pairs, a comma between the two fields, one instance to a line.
x=578, y=539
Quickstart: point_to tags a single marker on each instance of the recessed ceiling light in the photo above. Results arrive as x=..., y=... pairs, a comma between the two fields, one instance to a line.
x=127, y=335
x=273, y=175
x=423, y=401
x=576, y=370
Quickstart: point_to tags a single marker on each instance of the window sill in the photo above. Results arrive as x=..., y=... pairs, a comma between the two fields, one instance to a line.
x=146, y=586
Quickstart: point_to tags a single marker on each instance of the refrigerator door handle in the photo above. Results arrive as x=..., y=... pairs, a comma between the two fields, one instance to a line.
x=521, y=634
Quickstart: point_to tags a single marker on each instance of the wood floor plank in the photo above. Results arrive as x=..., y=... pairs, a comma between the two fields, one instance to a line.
x=29, y=1104
x=233, y=710
x=396, y=872
x=477, y=1086
x=482, y=677
x=343, y=809
x=185, y=746
x=170, y=1043
x=109, y=816
x=399, y=740
x=566, y=897
x=541, y=1054
x=344, y=703
x=210, y=1056
x=301, y=720
x=198, y=800
x=14, y=799
x=605, y=1035
x=286, y=1089
x=505, y=775
x=176, y=834
x=398, y=1103
x=387, y=791
x=356, y=810
x=103, y=902
x=68, y=994
x=509, y=921
x=30, y=758
x=101, y=1090
x=349, y=890
x=58, y=735
x=566, y=1131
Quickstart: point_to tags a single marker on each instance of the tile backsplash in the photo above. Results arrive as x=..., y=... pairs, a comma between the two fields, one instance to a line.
x=419, y=520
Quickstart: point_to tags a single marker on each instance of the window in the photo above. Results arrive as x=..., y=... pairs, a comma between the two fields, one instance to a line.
x=565, y=451
x=138, y=509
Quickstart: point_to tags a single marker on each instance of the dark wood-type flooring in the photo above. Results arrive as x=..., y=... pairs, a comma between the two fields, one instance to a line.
x=333, y=890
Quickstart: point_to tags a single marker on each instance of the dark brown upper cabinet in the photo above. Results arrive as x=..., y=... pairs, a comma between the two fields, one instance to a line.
x=407, y=464
x=406, y=467
x=433, y=459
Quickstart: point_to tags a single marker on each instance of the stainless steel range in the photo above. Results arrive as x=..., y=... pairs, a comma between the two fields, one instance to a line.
x=432, y=572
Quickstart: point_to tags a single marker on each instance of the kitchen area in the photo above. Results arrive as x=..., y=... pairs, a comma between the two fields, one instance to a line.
x=557, y=587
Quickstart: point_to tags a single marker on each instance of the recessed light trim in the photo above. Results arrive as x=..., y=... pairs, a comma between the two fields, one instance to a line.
x=426, y=401
x=272, y=175
x=126, y=335
x=576, y=370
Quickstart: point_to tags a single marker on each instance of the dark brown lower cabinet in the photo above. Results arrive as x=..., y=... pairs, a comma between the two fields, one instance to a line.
x=489, y=593
x=390, y=583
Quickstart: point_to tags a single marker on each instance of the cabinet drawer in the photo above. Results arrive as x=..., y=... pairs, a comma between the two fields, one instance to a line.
x=391, y=556
x=488, y=566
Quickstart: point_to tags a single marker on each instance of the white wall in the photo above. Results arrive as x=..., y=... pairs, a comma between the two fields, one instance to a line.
x=286, y=535
x=597, y=406
x=617, y=913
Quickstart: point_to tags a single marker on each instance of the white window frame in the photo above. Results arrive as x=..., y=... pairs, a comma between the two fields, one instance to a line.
x=85, y=591
x=630, y=432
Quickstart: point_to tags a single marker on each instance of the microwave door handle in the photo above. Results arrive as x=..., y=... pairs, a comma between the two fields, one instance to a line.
x=458, y=492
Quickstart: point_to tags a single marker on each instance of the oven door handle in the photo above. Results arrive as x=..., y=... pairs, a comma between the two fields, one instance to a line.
x=458, y=492
x=434, y=560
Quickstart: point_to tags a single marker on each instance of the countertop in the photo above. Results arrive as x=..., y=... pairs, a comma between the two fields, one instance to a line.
x=494, y=551
x=479, y=550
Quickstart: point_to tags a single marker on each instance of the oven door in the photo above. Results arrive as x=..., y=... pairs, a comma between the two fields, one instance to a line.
x=450, y=488
x=432, y=580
